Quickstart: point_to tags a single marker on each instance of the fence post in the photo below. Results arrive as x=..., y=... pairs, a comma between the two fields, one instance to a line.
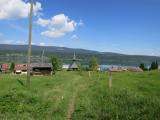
x=110, y=79
x=89, y=74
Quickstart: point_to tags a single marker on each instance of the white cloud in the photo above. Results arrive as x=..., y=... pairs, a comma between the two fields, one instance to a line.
x=57, y=26
x=80, y=23
x=8, y=41
x=41, y=44
x=20, y=42
x=53, y=34
x=14, y=9
x=74, y=36
x=43, y=22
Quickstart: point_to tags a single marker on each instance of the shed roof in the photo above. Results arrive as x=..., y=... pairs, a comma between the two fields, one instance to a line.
x=20, y=67
x=4, y=66
x=134, y=69
x=41, y=65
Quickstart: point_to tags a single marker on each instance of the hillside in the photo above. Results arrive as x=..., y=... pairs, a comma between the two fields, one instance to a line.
x=18, y=53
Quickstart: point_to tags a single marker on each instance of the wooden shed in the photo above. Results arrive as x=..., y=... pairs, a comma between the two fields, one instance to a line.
x=41, y=68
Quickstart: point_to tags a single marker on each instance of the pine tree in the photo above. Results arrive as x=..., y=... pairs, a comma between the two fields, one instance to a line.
x=154, y=66
x=12, y=67
x=142, y=66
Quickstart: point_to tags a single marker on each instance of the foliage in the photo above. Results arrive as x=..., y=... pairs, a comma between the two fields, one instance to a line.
x=56, y=63
x=154, y=66
x=12, y=67
x=93, y=64
x=143, y=67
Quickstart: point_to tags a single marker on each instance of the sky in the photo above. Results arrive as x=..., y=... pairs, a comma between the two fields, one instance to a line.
x=121, y=26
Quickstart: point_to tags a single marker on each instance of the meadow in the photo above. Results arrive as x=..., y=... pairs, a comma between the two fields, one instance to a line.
x=76, y=96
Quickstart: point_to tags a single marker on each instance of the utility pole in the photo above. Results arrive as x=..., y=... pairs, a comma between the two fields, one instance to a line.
x=42, y=57
x=29, y=44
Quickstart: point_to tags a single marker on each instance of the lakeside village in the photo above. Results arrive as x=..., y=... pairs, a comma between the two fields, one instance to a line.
x=42, y=68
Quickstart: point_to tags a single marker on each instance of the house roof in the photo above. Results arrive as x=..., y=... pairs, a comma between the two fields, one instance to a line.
x=4, y=66
x=41, y=65
x=20, y=67
x=134, y=69
x=74, y=65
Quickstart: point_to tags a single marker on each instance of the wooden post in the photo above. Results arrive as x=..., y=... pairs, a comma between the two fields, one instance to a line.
x=89, y=74
x=110, y=79
x=29, y=44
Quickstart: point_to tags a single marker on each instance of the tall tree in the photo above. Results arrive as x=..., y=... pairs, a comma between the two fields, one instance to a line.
x=93, y=64
x=12, y=67
x=154, y=66
x=143, y=67
x=56, y=63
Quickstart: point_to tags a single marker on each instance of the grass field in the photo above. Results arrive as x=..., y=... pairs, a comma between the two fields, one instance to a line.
x=73, y=95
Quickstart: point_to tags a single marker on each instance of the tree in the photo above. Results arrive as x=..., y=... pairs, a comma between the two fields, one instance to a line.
x=143, y=67
x=93, y=64
x=154, y=66
x=56, y=64
x=12, y=67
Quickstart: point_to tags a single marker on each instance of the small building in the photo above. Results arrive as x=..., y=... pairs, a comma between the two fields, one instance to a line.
x=20, y=69
x=115, y=69
x=41, y=69
x=5, y=68
x=98, y=68
x=134, y=69
x=74, y=65
x=65, y=66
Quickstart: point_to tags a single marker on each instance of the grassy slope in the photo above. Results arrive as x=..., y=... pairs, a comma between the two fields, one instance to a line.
x=133, y=96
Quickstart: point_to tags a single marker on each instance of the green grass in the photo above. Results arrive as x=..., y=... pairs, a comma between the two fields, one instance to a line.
x=134, y=96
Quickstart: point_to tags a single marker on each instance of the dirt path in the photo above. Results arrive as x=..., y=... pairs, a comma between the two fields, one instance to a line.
x=72, y=102
x=71, y=107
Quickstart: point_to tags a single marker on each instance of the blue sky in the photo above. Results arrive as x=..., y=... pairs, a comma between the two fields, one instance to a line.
x=123, y=26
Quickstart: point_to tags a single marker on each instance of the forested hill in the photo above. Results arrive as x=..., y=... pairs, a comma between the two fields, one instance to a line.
x=17, y=53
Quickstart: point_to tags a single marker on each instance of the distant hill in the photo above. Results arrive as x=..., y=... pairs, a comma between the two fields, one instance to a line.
x=17, y=53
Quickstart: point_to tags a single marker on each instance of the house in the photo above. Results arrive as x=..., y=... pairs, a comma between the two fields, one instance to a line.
x=65, y=67
x=98, y=68
x=5, y=68
x=41, y=68
x=74, y=65
x=115, y=69
x=20, y=69
x=134, y=69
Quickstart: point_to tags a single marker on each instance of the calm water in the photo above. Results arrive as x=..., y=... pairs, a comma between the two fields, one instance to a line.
x=106, y=67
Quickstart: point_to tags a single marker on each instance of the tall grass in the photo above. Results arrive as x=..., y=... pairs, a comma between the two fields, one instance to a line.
x=134, y=96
